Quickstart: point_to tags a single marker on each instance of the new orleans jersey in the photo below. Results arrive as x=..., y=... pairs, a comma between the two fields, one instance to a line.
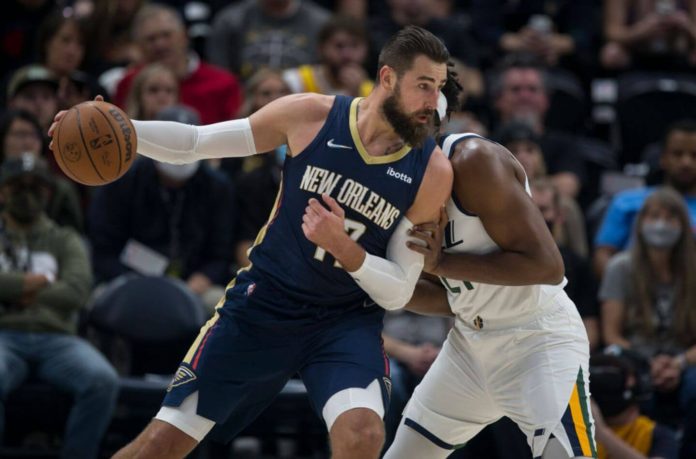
x=375, y=193
x=475, y=302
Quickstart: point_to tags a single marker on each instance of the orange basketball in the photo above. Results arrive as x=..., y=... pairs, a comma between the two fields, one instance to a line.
x=94, y=143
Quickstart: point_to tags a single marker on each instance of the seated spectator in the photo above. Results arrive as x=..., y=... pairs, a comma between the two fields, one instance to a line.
x=61, y=49
x=648, y=295
x=581, y=287
x=166, y=219
x=257, y=177
x=520, y=94
x=343, y=47
x=653, y=34
x=620, y=429
x=44, y=281
x=679, y=167
x=471, y=112
x=551, y=30
x=18, y=25
x=21, y=134
x=159, y=30
x=524, y=144
x=253, y=34
x=155, y=87
x=34, y=88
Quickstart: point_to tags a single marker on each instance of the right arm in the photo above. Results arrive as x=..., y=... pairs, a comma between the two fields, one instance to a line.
x=429, y=298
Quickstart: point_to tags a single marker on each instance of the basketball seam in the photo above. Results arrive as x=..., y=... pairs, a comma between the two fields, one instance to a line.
x=84, y=144
x=60, y=150
x=108, y=121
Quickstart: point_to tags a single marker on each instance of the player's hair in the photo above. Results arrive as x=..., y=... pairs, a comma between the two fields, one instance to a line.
x=341, y=23
x=516, y=61
x=685, y=125
x=50, y=27
x=151, y=10
x=682, y=261
x=410, y=42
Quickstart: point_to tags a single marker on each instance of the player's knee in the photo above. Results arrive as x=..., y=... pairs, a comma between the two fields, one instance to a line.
x=358, y=429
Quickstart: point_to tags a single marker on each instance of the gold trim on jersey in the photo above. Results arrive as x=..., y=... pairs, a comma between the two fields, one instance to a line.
x=353, y=123
x=204, y=329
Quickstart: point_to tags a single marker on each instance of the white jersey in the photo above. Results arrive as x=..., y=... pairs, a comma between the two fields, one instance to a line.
x=484, y=305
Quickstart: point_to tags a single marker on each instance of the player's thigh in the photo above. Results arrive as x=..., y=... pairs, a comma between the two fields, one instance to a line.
x=451, y=404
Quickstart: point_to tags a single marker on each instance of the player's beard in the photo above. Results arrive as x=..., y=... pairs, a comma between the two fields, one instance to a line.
x=405, y=125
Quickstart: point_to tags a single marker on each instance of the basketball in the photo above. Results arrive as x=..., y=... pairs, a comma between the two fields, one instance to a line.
x=94, y=143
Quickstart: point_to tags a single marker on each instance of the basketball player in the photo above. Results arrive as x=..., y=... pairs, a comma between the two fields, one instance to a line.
x=518, y=347
x=358, y=172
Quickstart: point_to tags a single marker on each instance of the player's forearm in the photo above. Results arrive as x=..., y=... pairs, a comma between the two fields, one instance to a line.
x=348, y=253
x=500, y=268
x=429, y=299
x=179, y=143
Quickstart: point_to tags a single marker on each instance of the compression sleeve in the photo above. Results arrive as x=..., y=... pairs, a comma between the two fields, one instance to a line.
x=390, y=282
x=179, y=143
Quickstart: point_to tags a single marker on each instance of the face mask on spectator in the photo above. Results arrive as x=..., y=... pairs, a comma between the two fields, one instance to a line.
x=25, y=204
x=178, y=172
x=660, y=234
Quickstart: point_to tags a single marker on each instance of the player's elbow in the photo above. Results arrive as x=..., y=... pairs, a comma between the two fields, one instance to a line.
x=553, y=269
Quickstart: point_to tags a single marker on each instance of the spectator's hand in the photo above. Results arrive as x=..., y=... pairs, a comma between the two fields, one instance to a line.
x=431, y=234
x=351, y=78
x=199, y=283
x=59, y=116
x=681, y=21
x=650, y=26
x=418, y=359
x=665, y=372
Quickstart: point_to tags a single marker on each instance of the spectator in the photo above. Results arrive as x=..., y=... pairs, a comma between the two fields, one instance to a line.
x=343, y=47
x=34, y=88
x=21, y=134
x=581, y=287
x=279, y=34
x=524, y=144
x=155, y=87
x=259, y=180
x=18, y=25
x=656, y=34
x=678, y=161
x=161, y=35
x=470, y=114
x=621, y=431
x=61, y=49
x=550, y=29
x=44, y=282
x=648, y=296
x=520, y=93
x=166, y=219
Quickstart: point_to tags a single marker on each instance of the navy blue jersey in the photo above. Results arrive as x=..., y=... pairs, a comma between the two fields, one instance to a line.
x=375, y=193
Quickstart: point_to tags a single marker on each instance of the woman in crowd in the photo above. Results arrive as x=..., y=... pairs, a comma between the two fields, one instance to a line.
x=154, y=88
x=648, y=299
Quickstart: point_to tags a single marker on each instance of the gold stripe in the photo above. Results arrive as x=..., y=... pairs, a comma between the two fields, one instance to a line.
x=262, y=232
x=204, y=329
x=579, y=422
x=353, y=122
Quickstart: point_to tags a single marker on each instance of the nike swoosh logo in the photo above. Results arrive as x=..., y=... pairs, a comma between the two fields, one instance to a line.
x=331, y=144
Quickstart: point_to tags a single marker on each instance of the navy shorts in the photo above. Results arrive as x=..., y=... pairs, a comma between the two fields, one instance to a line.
x=259, y=339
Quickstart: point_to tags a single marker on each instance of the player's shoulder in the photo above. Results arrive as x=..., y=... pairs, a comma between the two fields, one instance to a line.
x=475, y=151
x=439, y=165
x=307, y=105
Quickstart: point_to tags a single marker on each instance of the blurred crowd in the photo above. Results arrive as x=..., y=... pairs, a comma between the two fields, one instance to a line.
x=595, y=98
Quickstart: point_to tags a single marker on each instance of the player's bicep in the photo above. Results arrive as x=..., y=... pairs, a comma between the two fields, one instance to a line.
x=269, y=125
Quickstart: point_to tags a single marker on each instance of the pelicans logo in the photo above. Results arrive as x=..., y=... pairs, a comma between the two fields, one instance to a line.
x=183, y=375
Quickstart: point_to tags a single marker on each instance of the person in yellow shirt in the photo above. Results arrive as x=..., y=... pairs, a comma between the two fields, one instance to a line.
x=622, y=432
x=343, y=48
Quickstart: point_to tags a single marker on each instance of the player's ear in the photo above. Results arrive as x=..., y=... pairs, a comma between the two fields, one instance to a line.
x=387, y=77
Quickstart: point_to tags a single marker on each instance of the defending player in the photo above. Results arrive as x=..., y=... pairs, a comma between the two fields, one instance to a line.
x=518, y=348
x=303, y=306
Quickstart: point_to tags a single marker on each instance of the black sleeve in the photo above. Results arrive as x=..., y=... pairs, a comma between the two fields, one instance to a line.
x=664, y=443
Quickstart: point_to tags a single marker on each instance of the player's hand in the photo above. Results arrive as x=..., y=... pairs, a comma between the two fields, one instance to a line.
x=59, y=116
x=324, y=227
x=431, y=234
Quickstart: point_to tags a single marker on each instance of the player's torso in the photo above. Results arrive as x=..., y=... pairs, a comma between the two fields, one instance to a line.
x=375, y=193
x=475, y=302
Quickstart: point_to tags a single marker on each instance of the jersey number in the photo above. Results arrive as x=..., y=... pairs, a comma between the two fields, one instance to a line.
x=453, y=289
x=354, y=230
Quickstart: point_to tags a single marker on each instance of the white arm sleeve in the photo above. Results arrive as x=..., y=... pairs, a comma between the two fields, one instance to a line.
x=390, y=282
x=179, y=143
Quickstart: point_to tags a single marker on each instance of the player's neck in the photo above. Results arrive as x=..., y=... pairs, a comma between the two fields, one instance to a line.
x=374, y=129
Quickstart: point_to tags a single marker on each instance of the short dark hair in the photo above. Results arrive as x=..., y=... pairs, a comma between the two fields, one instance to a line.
x=683, y=125
x=340, y=23
x=516, y=61
x=410, y=42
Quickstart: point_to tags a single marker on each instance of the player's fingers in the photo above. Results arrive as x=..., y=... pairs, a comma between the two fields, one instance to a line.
x=309, y=210
x=418, y=248
x=50, y=145
x=333, y=205
x=423, y=236
x=317, y=207
x=99, y=98
x=430, y=227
